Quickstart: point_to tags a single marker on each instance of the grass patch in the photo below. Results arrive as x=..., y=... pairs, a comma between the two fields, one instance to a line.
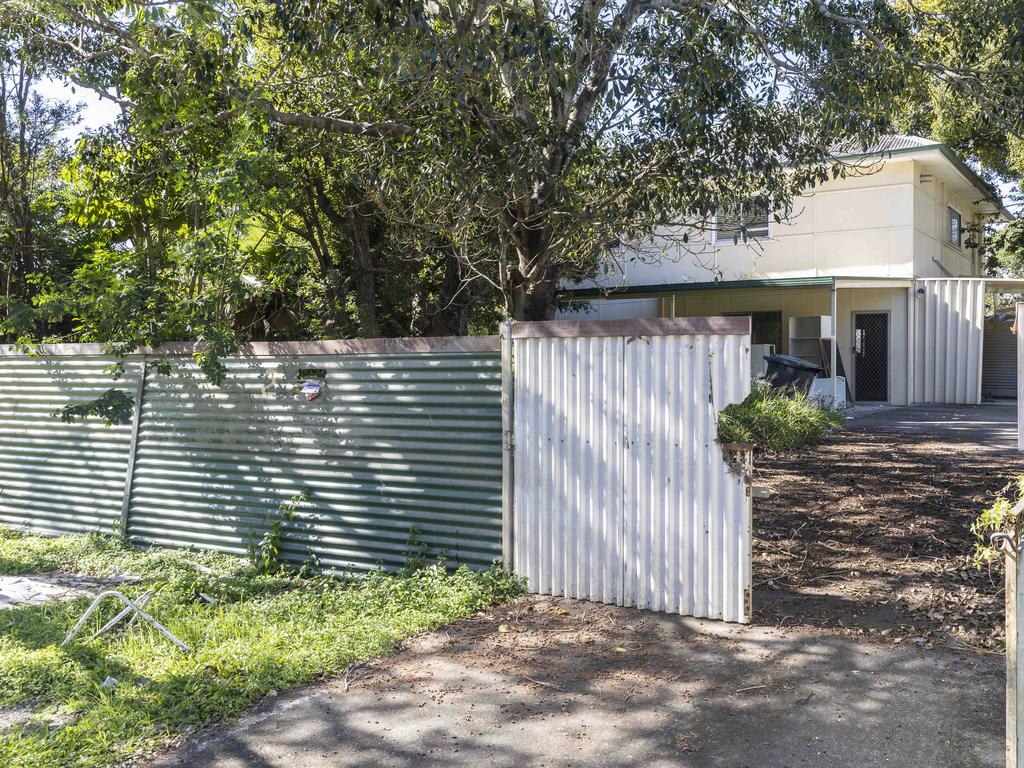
x=266, y=632
x=775, y=419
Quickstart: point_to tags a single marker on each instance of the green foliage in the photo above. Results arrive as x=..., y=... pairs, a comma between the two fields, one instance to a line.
x=999, y=518
x=416, y=551
x=267, y=631
x=439, y=164
x=1005, y=250
x=776, y=419
x=115, y=406
x=265, y=555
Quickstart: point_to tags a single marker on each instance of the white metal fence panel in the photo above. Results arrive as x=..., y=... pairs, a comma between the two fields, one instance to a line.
x=569, y=431
x=58, y=477
x=949, y=317
x=622, y=493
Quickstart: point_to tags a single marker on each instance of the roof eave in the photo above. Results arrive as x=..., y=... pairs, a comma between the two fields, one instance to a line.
x=972, y=177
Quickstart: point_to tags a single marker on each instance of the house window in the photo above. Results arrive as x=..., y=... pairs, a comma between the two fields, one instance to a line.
x=752, y=220
x=765, y=327
x=955, y=228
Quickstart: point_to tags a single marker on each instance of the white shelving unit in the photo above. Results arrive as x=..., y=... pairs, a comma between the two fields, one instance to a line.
x=805, y=334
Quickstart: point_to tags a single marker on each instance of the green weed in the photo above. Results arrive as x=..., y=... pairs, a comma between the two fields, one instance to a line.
x=775, y=419
x=266, y=631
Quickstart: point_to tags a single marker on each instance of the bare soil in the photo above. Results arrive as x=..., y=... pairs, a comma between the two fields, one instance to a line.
x=869, y=534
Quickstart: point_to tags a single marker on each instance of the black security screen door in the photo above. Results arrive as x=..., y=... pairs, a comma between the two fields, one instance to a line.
x=871, y=356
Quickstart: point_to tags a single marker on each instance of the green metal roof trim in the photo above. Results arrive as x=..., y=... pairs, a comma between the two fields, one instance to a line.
x=990, y=192
x=657, y=290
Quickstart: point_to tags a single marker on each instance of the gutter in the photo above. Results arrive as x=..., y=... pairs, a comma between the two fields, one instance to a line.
x=659, y=289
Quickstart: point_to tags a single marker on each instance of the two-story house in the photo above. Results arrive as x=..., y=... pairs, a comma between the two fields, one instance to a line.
x=884, y=262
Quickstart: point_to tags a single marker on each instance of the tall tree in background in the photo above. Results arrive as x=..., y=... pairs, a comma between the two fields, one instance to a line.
x=969, y=110
x=516, y=141
x=35, y=241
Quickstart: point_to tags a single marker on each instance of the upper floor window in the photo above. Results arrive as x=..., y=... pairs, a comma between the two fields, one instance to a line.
x=752, y=220
x=955, y=227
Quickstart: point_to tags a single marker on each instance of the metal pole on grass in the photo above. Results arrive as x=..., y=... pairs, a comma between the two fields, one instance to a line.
x=126, y=499
x=1014, y=653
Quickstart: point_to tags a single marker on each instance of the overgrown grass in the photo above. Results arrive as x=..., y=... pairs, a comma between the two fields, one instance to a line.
x=775, y=419
x=266, y=632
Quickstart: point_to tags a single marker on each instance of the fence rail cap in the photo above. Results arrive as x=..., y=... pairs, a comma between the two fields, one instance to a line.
x=438, y=344
x=663, y=326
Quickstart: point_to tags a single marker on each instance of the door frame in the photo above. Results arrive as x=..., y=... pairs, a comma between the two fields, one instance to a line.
x=888, y=352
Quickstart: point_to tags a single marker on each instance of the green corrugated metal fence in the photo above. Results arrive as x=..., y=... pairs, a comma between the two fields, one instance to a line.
x=56, y=477
x=406, y=435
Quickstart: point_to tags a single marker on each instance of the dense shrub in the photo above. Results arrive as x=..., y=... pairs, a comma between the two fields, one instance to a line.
x=775, y=419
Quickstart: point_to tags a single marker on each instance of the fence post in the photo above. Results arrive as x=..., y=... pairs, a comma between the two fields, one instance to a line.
x=1014, y=653
x=507, y=447
x=1018, y=328
x=126, y=498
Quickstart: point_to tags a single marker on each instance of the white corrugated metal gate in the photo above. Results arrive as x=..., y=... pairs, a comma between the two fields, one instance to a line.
x=621, y=492
x=948, y=340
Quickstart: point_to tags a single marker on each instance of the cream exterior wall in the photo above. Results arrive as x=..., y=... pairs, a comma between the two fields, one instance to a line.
x=932, y=248
x=882, y=221
x=794, y=302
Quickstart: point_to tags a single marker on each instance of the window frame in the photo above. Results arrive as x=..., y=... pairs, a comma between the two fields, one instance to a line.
x=760, y=317
x=736, y=238
x=959, y=242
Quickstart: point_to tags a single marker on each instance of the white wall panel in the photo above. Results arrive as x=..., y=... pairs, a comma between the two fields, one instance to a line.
x=948, y=339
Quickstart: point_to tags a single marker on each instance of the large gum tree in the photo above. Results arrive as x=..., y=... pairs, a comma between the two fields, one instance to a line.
x=528, y=136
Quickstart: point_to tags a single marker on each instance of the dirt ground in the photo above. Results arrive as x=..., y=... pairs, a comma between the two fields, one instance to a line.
x=568, y=684
x=869, y=535
x=875, y=642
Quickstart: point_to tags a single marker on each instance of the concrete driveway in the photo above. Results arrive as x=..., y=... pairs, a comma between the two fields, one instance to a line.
x=550, y=682
x=989, y=426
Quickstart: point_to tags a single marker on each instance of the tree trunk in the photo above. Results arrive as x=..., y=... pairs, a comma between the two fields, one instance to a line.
x=452, y=316
x=540, y=303
x=313, y=233
x=537, y=299
x=363, y=275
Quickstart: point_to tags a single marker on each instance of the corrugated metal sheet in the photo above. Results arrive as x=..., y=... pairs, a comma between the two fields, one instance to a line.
x=999, y=371
x=56, y=477
x=948, y=344
x=395, y=442
x=622, y=493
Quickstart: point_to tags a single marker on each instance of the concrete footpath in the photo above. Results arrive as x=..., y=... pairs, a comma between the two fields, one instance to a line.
x=990, y=427
x=549, y=682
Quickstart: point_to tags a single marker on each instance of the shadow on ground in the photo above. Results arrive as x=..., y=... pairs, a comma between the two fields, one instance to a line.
x=862, y=580
x=551, y=682
x=870, y=533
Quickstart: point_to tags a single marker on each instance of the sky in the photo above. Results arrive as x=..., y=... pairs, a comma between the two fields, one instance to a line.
x=96, y=112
